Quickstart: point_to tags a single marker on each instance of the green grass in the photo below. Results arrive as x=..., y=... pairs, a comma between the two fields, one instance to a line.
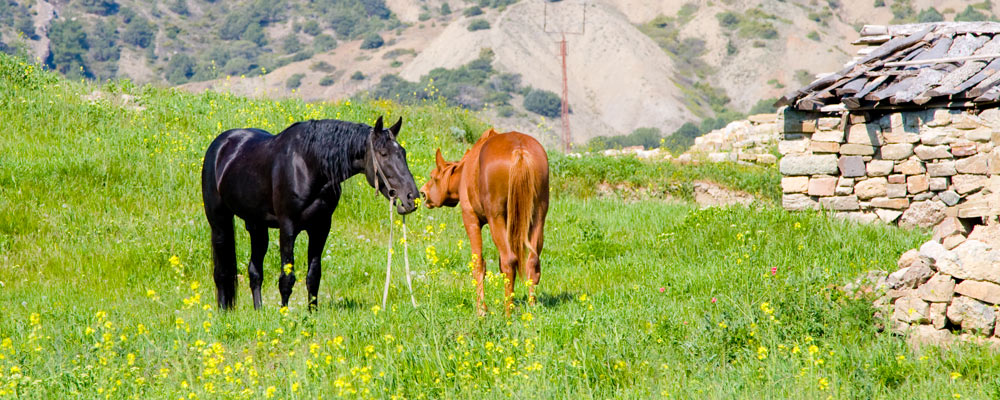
x=107, y=291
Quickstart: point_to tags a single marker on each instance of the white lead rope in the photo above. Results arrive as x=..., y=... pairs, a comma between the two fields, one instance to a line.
x=388, y=262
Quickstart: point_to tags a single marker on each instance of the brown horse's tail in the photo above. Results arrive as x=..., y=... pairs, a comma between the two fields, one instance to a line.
x=521, y=192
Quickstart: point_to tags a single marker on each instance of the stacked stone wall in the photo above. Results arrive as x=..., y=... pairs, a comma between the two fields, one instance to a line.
x=913, y=168
x=749, y=140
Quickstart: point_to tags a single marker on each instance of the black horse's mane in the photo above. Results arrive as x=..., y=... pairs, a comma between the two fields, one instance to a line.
x=333, y=142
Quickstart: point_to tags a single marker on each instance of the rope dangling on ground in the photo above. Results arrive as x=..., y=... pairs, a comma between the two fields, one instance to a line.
x=388, y=261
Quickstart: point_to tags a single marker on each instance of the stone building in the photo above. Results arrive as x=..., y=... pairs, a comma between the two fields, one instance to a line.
x=905, y=134
x=909, y=134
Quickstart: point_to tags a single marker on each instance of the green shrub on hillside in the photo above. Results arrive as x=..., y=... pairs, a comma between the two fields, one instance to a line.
x=140, y=32
x=478, y=25
x=324, y=43
x=311, y=28
x=100, y=7
x=68, y=44
x=544, y=103
x=327, y=81
x=930, y=15
x=294, y=81
x=180, y=7
x=472, y=11
x=445, y=9
x=971, y=14
x=291, y=44
x=358, y=76
x=180, y=68
x=372, y=41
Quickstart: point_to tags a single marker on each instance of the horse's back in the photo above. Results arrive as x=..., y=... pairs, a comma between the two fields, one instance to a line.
x=502, y=157
x=233, y=152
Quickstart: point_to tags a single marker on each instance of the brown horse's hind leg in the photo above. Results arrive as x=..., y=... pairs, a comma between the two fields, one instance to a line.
x=255, y=270
x=475, y=232
x=534, y=266
x=508, y=261
x=224, y=259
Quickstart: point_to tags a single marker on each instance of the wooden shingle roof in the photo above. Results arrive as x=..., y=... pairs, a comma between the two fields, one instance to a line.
x=944, y=64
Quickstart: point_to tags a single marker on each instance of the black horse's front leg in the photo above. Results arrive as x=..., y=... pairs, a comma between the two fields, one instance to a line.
x=255, y=270
x=317, y=240
x=286, y=243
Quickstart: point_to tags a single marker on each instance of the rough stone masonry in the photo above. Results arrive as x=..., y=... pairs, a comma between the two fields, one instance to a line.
x=911, y=168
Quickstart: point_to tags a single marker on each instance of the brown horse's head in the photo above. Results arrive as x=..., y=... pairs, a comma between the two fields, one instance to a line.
x=442, y=187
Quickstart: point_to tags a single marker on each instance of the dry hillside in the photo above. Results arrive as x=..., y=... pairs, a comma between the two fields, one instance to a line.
x=638, y=63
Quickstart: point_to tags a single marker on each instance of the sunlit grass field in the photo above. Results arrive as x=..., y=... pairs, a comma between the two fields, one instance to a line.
x=106, y=288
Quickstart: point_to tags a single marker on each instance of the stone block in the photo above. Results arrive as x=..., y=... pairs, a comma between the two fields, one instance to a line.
x=851, y=166
x=879, y=167
x=853, y=149
x=824, y=147
x=897, y=178
x=939, y=288
x=971, y=260
x=963, y=149
x=867, y=134
x=936, y=313
x=938, y=184
x=917, y=183
x=909, y=277
x=968, y=183
x=993, y=162
x=895, y=190
x=763, y=118
x=888, y=216
x=982, y=134
x=932, y=152
x=949, y=197
x=949, y=226
x=766, y=159
x=937, y=117
x=797, y=165
x=795, y=121
x=911, y=309
x=840, y=203
x=871, y=188
x=800, y=145
x=922, y=196
x=828, y=123
x=924, y=214
x=972, y=165
x=835, y=136
x=822, y=186
x=894, y=204
x=897, y=151
x=983, y=291
x=798, y=202
x=845, y=186
x=934, y=137
x=910, y=167
x=941, y=168
x=972, y=315
x=795, y=184
x=953, y=241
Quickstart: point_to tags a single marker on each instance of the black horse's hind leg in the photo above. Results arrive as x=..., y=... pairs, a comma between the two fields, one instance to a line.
x=255, y=270
x=286, y=244
x=317, y=240
x=224, y=258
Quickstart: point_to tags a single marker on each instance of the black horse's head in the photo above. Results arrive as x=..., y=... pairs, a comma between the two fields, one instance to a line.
x=386, y=168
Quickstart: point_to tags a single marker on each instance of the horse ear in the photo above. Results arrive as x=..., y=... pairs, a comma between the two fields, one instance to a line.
x=378, y=126
x=395, y=127
x=438, y=159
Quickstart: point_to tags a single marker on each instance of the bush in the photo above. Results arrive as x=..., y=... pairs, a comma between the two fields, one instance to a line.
x=445, y=9
x=180, y=69
x=294, y=81
x=358, y=76
x=472, y=11
x=322, y=66
x=100, y=7
x=728, y=19
x=68, y=43
x=327, y=81
x=478, y=25
x=764, y=106
x=813, y=35
x=311, y=28
x=970, y=14
x=179, y=7
x=291, y=44
x=930, y=15
x=139, y=33
x=543, y=102
x=372, y=41
x=324, y=42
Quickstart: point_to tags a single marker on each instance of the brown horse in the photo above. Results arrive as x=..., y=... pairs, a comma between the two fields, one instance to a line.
x=503, y=181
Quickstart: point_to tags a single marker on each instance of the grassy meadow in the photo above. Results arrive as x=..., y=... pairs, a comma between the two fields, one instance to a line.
x=106, y=287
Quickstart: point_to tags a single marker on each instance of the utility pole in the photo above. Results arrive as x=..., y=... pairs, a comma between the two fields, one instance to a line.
x=567, y=137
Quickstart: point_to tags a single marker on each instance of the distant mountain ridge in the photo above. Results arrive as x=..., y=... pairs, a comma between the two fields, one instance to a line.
x=638, y=64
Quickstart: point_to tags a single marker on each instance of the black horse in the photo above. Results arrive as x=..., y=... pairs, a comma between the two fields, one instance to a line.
x=292, y=182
